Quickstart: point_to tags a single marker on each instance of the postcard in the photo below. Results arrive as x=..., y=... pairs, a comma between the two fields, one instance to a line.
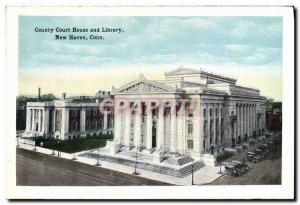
x=150, y=102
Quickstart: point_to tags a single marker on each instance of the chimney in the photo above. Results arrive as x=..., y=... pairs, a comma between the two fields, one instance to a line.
x=39, y=94
x=63, y=96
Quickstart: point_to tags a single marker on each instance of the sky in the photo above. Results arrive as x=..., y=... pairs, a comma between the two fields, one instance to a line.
x=246, y=48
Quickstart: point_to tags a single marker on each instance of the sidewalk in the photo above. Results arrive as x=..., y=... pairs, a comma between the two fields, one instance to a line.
x=205, y=175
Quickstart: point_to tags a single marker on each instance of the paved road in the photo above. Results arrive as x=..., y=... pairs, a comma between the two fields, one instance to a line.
x=36, y=169
x=268, y=171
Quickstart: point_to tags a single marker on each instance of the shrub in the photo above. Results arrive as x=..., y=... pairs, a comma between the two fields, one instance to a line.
x=223, y=156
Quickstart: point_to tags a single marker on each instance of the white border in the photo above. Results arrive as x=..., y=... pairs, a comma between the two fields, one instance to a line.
x=284, y=191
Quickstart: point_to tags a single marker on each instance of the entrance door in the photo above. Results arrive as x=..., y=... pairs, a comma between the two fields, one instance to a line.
x=154, y=134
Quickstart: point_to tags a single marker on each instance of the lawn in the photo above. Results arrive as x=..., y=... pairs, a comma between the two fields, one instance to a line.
x=77, y=145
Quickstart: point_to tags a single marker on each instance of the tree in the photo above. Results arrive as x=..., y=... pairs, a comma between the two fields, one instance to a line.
x=48, y=97
x=269, y=103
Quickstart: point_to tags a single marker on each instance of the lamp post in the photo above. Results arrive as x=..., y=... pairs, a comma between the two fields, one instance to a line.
x=135, y=164
x=34, y=149
x=220, y=172
x=58, y=152
x=193, y=172
x=74, y=157
x=98, y=158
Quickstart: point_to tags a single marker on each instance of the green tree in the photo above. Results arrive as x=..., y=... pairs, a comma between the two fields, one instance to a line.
x=269, y=102
x=48, y=97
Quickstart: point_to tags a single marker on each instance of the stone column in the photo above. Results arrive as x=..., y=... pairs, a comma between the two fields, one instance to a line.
x=251, y=131
x=149, y=126
x=237, y=121
x=250, y=123
x=181, y=118
x=255, y=119
x=40, y=120
x=242, y=122
x=264, y=116
x=196, y=130
x=46, y=121
x=82, y=119
x=254, y=116
x=247, y=120
x=105, y=120
x=214, y=126
x=33, y=121
x=220, y=123
x=28, y=119
x=208, y=128
x=137, y=125
x=53, y=120
x=117, y=125
x=127, y=113
x=160, y=127
x=64, y=123
x=173, y=147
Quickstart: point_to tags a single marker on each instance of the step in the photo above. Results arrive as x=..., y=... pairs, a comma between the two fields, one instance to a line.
x=188, y=169
x=184, y=160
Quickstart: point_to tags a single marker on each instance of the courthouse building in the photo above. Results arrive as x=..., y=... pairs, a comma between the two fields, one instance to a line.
x=68, y=118
x=191, y=112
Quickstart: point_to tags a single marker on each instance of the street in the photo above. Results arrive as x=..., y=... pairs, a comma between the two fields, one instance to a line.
x=36, y=169
x=266, y=172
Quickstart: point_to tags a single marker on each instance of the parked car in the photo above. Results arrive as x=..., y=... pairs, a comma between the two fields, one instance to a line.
x=252, y=157
x=243, y=164
x=232, y=170
x=259, y=153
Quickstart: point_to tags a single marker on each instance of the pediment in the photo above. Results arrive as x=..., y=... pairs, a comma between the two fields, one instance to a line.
x=143, y=85
x=183, y=71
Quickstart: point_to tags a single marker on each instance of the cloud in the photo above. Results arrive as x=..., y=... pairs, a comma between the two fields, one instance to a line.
x=156, y=42
x=218, y=39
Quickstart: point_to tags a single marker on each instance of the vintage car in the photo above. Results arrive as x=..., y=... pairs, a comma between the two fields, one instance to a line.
x=259, y=153
x=263, y=148
x=232, y=170
x=243, y=164
x=276, y=141
x=252, y=157
x=271, y=145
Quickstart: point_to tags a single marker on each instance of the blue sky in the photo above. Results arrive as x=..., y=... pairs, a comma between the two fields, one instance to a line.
x=242, y=42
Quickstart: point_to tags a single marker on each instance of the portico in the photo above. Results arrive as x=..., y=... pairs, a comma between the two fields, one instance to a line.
x=146, y=116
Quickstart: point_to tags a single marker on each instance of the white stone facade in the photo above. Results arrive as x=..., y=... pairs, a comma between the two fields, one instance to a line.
x=191, y=112
x=64, y=119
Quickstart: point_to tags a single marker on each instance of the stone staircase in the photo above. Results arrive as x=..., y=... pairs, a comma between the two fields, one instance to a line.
x=187, y=170
x=184, y=160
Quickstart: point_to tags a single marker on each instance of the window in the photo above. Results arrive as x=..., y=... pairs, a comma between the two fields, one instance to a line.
x=190, y=144
x=205, y=127
x=210, y=112
x=217, y=111
x=204, y=112
x=190, y=128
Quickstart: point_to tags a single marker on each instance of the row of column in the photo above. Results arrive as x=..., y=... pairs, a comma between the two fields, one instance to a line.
x=246, y=120
x=65, y=120
x=36, y=120
x=214, y=123
x=124, y=130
